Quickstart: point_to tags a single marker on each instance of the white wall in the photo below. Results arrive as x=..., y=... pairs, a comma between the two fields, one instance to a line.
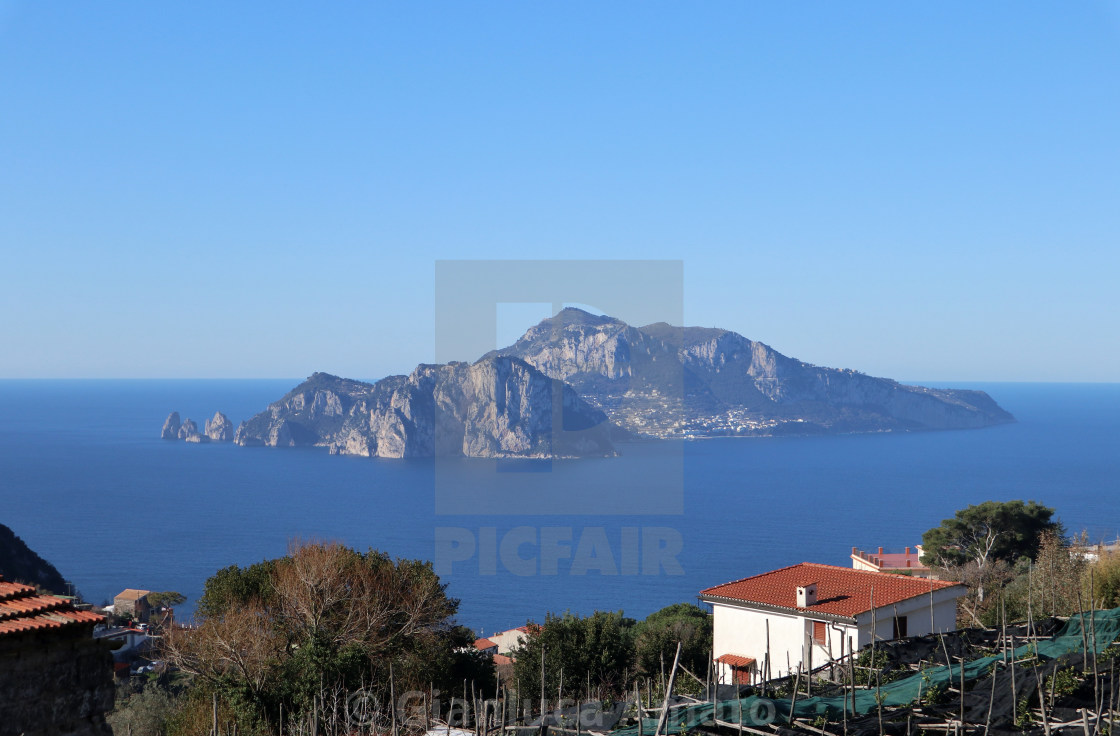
x=507, y=640
x=917, y=613
x=742, y=631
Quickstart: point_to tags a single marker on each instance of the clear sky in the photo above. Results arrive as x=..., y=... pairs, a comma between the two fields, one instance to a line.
x=261, y=189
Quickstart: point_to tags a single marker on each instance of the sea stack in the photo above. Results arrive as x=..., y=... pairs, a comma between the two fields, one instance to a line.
x=171, y=427
x=187, y=430
x=219, y=428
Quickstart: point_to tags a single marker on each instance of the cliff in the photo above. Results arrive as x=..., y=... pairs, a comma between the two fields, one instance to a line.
x=20, y=564
x=666, y=381
x=497, y=407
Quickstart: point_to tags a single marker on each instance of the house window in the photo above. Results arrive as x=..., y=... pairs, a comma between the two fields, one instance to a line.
x=900, y=627
x=819, y=632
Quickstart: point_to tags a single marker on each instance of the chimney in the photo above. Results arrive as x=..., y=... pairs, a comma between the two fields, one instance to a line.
x=806, y=595
x=880, y=551
x=907, y=551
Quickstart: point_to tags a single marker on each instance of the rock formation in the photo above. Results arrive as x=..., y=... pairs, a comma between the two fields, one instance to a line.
x=188, y=430
x=665, y=381
x=497, y=407
x=171, y=427
x=219, y=428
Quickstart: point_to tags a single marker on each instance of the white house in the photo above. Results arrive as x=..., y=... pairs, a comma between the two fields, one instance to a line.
x=808, y=614
x=510, y=639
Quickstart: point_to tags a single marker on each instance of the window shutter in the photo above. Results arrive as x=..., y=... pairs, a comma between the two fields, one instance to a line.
x=819, y=632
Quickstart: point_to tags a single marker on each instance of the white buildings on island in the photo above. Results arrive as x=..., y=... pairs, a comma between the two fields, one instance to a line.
x=805, y=615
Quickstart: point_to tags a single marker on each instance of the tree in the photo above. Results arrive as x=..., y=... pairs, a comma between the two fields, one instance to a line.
x=1048, y=586
x=985, y=534
x=1104, y=581
x=598, y=649
x=324, y=619
x=166, y=598
x=656, y=638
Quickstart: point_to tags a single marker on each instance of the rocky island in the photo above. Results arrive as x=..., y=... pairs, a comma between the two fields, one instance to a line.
x=498, y=407
x=217, y=429
x=576, y=383
x=663, y=381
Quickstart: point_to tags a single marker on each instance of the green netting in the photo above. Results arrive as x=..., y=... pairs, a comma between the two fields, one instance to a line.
x=1090, y=632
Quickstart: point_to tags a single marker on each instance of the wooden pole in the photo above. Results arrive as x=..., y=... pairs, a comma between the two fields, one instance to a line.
x=809, y=672
x=768, y=660
x=1093, y=639
x=392, y=699
x=638, y=706
x=991, y=702
x=845, y=692
x=932, y=622
x=1112, y=697
x=715, y=688
x=664, y=719
x=1042, y=704
x=1014, y=689
x=962, y=689
x=793, y=703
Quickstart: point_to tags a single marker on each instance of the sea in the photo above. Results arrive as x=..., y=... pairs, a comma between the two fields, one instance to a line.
x=87, y=483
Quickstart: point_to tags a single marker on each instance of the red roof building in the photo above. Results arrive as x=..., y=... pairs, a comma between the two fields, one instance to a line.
x=812, y=613
x=56, y=678
x=906, y=563
x=22, y=610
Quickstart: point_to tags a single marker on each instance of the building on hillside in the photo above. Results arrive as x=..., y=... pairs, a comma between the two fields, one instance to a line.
x=1094, y=552
x=133, y=602
x=54, y=677
x=126, y=643
x=486, y=646
x=807, y=614
x=510, y=639
x=907, y=563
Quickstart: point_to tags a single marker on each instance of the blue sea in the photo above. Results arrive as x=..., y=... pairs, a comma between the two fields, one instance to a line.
x=88, y=484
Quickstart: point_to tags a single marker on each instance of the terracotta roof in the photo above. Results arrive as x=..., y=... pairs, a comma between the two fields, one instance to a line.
x=131, y=594
x=734, y=660
x=841, y=591
x=908, y=560
x=502, y=659
x=22, y=609
x=484, y=644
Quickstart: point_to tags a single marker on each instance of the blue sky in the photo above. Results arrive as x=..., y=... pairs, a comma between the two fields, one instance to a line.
x=919, y=190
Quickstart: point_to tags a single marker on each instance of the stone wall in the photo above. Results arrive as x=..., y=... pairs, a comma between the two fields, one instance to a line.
x=55, y=682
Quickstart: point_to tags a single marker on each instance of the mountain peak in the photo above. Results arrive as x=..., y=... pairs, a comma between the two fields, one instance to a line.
x=661, y=380
x=572, y=316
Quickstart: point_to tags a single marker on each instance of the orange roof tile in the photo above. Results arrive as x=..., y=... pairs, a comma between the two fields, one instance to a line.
x=484, y=644
x=131, y=594
x=14, y=590
x=734, y=660
x=502, y=659
x=22, y=609
x=841, y=591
